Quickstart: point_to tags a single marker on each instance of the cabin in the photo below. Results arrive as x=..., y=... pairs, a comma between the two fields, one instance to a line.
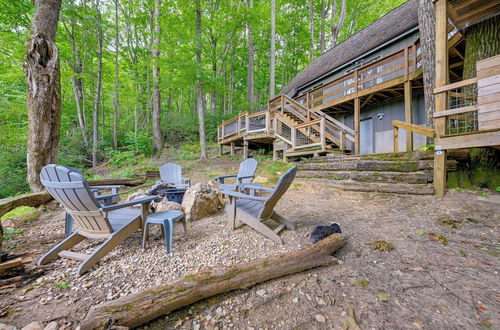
x=366, y=95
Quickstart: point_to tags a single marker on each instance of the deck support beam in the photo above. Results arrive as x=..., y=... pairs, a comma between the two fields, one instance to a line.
x=408, y=114
x=233, y=148
x=220, y=149
x=245, y=149
x=441, y=98
x=357, y=115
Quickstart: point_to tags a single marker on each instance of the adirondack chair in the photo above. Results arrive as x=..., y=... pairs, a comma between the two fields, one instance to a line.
x=245, y=174
x=172, y=173
x=103, y=199
x=253, y=210
x=114, y=223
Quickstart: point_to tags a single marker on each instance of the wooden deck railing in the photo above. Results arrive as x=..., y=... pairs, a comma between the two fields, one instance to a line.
x=410, y=128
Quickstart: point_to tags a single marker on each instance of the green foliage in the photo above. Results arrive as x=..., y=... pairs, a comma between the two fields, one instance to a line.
x=18, y=211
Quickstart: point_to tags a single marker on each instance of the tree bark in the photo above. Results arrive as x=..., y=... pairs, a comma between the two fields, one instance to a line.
x=199, y=84
x=142, y=307
x=41, y=65
x=322, y=33
x=251, y=56
x=482, y=41
x=116, y=101
x=427, y=28
x=95, y=117
x=337, y=25
x=272, y=66
x=311, y=30
x=157, y=136
x=231, y=79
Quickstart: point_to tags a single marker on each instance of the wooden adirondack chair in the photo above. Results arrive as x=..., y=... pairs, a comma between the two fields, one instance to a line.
x=253, y=210
x=245, y=174
x=114, y=223
x=172, y=173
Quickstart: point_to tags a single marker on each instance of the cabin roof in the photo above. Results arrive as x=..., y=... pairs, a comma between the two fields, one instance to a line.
x=391, y=25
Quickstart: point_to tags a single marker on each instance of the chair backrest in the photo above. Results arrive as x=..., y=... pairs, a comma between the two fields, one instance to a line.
x=247, y=168
x=284, y=183
x=171, y=173
x=71, y=190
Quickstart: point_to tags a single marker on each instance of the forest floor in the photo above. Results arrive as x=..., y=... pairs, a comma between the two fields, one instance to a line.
x=425, y=281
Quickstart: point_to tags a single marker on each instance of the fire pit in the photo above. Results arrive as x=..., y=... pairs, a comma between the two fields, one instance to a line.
x=172, y=195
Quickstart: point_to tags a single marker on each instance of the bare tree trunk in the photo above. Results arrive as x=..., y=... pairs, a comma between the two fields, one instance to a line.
x=427, y=28
x=251, y=55
x=213, y=93
x=116, y=102
x=157, y=137
x=322, y=33
x=337, y=25
x=272, y=66
x=231, y=78
x=95, y=143
x=311, y=30
x=41, y=65
x=199, y=96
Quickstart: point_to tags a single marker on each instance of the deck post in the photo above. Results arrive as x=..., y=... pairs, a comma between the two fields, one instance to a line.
x=268, y=122
x=395, y=130
x=441, y=98
x=357, y=115
x=245, y=149
x=293, y=134
x=220, y=149
x=342, y=141
x=408, y=114
x=247, y=124
x=322, y=133
x=233, y=148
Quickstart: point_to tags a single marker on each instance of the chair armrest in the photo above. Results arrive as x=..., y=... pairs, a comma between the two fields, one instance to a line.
x=221, y=178
x=114, y=188
x=107, y=199
x=131, y=203
x=245, y=177
x=254, y=186
x=186, y=181
x=244, y=196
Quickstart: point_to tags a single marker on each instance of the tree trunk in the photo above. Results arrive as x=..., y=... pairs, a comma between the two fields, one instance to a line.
x=116, y=102
x=272, y=66
x=136, y=309
x=337, y=25
x=157, y=137
x=199, y=84
x=95, y=142
x=322, y=33
x=231, y=79
x=41, y=65
x=213, y=93
x=251, y=55
x=311, y=30
x=482, y=41
x=427, y=27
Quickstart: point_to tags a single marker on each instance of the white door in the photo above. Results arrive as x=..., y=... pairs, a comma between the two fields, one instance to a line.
x=366, y=136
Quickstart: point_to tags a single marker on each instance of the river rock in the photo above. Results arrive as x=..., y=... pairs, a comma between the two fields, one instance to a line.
x=34, y=326
x=200, y=200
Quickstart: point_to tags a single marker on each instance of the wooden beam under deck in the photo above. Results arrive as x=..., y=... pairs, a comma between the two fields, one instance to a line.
x=472, y=140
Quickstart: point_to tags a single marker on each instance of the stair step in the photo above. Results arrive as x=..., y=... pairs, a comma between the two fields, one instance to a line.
x=371, y=176
x=392, y=188
x=360, y=165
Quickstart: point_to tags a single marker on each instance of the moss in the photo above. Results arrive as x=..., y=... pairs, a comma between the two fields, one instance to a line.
x=452, y=180
x=18, y=211
x=30, y=217
x=485, y=177
x=381, y=245
x=438, y=237
x=454, y=223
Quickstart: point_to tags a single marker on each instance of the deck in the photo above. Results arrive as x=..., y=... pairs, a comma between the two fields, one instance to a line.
x=303, y=123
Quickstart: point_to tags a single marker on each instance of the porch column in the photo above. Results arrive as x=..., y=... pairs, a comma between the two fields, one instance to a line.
x=408, y=114
x=233, y=148
x=245, y=149
x=357, y=115
x=441, y=98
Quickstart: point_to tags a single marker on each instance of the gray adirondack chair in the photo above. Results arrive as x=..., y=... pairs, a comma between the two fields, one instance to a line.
x=253, y=210
x=172, y=173
x=245, y=174
x=114, y=223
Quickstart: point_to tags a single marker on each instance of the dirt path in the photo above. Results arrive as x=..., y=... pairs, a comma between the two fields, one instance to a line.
x=421, y=283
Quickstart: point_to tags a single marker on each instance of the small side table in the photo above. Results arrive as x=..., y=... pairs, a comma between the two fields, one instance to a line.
x=166, y=219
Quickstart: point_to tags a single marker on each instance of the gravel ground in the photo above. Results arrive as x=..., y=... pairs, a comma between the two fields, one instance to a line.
x=421, y=283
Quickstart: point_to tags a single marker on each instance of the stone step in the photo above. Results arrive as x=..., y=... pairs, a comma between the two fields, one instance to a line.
x=392, y=188
x=370, y=176
x=362, y=165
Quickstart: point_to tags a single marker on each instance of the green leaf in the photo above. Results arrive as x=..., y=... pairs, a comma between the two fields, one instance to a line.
x=383, y=297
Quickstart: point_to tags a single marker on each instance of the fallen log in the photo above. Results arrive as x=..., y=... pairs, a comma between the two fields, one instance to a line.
x=33, y=200
x=139, y=308
x=119, y=181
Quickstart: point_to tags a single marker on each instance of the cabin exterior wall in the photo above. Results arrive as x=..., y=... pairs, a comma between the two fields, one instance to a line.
x=381, y=137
